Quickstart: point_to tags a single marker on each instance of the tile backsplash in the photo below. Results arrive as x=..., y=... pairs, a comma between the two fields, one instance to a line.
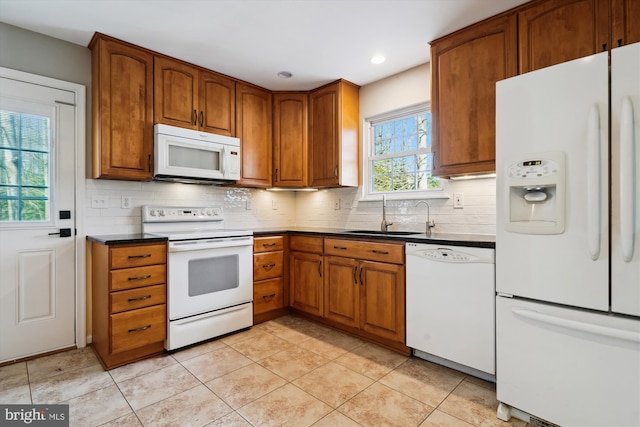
x=478, y=216
x=243, y=208
x=253, y=208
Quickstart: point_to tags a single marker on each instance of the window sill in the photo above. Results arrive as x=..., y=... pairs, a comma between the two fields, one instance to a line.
x=427, y=195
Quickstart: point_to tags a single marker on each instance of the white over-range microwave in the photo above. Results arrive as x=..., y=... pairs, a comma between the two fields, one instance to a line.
x=186, y=155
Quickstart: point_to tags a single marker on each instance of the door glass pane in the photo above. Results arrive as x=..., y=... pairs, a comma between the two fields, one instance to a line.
x=214, y=274
x=25, y=166
x=186, y=157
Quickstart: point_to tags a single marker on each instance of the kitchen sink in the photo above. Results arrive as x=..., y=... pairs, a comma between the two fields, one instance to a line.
x=386, y=233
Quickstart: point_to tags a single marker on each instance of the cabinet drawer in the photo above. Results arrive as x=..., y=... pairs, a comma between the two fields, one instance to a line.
x=371, y=251
x=138, y=298
x=137, y=255
x=267, y=265
x=130, y=278
x=268, y=244
x=267, y=295
x=306, y=244
x=137, y=328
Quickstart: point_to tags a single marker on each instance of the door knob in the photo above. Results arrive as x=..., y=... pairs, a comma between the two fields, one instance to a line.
x=64, y=232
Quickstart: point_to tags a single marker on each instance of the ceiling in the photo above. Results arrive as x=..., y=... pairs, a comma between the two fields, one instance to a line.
x=318, y=41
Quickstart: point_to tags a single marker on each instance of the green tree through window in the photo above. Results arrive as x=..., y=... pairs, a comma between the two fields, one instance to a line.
x=24, y=166
x=400, y=153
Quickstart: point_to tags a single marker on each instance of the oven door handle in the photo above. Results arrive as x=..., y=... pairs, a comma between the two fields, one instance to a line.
x=196, y=245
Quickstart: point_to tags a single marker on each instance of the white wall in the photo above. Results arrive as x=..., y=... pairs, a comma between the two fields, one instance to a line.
x=478, y=216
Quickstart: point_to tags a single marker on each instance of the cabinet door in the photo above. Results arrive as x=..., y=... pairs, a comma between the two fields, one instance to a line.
x=556, y=31
x=383, y=300
x=217, y=104
x=342, y=290
x=324, y=137
x=307, y=282
x=253, y=127
x=290, y=150
x=625, y=21
x=465, y=69
x=175, y=93
x=122, y=78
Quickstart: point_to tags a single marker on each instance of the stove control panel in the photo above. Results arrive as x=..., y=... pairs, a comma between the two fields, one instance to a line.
x=181, y=214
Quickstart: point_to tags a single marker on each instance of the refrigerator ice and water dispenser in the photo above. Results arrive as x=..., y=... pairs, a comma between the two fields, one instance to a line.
x=536, y=193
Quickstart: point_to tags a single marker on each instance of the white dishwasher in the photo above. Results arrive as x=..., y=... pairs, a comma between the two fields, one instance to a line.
x=451, y=306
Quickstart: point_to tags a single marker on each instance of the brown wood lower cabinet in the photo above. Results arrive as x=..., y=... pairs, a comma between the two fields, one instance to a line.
x=357, y=286
x=270, y=296
x=129, y=296
x=369, y=295
x=306, y=282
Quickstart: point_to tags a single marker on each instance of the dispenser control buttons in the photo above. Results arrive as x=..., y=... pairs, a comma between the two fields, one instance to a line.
x=533, y=169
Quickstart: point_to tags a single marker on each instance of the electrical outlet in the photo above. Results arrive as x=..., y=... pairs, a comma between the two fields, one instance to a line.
x=336, y=204
x=458, y=200
x=347, y=204
x=274, y=204
x=99, y=202
x=125, y=202
x=249, y=204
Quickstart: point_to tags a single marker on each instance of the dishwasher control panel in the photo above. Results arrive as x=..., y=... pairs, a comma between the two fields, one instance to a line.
x=446, y=254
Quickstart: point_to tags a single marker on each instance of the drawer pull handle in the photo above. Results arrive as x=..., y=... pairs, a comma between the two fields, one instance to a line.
x=268, y=298
x=268, y=266
x=139, y=256
x=266, y=245
x=380, y=252
x=140, y=277
x=343, y=248
x=144, y=328
x=140, y=299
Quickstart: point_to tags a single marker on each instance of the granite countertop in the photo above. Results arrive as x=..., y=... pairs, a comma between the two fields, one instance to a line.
x=114, y=239
x=452, y=239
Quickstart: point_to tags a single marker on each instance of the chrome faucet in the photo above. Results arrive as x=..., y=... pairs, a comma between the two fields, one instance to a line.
x=430, y=223
x=384, y=225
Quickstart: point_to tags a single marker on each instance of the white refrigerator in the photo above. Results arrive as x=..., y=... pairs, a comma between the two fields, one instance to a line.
x=568, y=242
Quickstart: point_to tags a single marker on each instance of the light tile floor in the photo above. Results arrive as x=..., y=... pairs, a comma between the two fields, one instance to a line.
x=287, y=372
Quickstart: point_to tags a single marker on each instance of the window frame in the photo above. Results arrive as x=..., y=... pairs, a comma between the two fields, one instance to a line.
x=366, y=192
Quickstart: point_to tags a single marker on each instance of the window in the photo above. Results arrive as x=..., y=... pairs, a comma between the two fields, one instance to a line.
x=399, y=152
x=24, y=166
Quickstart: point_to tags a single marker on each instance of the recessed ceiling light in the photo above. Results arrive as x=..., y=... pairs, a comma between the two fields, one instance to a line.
x=377, y=59
x=285, y=75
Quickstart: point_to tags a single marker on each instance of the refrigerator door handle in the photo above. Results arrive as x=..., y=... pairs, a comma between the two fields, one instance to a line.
x=589, y=328
x=594, y=187
x=627, y=179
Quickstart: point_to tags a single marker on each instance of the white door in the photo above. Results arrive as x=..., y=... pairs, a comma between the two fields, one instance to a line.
x=561, y=108
x=37, y=211
x=625, y=177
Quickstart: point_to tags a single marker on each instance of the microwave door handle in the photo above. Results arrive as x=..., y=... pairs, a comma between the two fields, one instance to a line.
x=223, y=161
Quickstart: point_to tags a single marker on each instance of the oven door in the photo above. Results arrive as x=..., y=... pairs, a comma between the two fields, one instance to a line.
x=210, y=274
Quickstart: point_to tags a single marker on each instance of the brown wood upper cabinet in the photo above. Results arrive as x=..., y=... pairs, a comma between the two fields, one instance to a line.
x=122, y=109
x=290, y=143
x=556, y=31
x=193, y=98
x=625, y=18
x=464, y=69
x=334, y=135
x=254, y=125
